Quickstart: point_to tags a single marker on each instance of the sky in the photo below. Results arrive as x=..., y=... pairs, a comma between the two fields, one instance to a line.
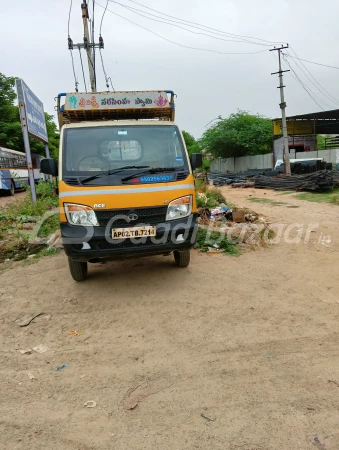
x=207, y=84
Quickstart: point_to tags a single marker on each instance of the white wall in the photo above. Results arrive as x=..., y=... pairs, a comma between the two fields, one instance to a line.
x=244, y=163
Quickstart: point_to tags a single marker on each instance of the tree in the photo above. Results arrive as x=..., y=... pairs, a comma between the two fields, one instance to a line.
x=240, y=134
x=191, y=144
x=10, y=126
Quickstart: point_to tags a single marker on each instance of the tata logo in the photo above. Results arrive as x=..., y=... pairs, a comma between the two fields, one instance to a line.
x=132, y=217
x=99, y=205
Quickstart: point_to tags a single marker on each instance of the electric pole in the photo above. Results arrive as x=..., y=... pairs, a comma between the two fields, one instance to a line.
x=87, y=45
x=283, y=112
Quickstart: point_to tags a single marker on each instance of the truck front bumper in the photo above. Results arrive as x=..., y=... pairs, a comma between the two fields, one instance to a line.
x=95, y=243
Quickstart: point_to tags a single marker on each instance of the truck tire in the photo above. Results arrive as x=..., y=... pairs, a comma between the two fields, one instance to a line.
x=78, y=269
x=182, y=259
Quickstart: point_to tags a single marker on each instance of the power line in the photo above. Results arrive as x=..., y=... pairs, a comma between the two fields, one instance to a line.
x=177, y=43
x=316, y=63
x=323, y=91
x=304, y=87
x=107, y=79
x=75, y=77
x=210, y=28
x=102, y=17
x=158, y=19
x=105, y=74
x=69, y=15
x=321, y=100
x=82, y=67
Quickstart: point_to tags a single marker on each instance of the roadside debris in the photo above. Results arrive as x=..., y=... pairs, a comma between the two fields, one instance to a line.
x=40, y=348
x=75, y=333
x=318, y=444
x=211, y=419
x=238, y=216
x=31, y=376
x=144, y=389
x=61, y=367
x=27, y=320
x=269, y=355
x=90, y=404
x=27, y=351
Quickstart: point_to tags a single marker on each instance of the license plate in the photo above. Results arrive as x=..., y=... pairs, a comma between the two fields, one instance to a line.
x=135, y=232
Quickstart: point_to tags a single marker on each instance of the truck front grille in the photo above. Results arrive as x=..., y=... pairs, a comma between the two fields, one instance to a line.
x=151, y=215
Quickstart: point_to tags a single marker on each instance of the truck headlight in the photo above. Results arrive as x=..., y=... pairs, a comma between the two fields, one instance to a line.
x=80, y=215
x=181, y=207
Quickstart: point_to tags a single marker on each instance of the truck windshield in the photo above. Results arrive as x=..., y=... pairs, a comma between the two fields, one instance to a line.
x=95, y=149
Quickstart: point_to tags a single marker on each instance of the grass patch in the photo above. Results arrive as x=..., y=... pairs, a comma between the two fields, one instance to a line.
x=320, y=197
x=267, y=201
x=24, y=209
x=18, y=218
x=49, y=226
x=215, y=238
x=207, y=196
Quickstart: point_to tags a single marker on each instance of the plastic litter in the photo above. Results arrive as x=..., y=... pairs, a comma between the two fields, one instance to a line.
x=61, y=367
x=216, y=211
x=40, y=348
x=75, y=333
x=31, y=376
x=211, y=419
x=26, y=351
x=90, y=404
x=27, y=320
x=269, y=355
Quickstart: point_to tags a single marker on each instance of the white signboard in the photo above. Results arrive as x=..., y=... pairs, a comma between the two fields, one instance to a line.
x=116, y=100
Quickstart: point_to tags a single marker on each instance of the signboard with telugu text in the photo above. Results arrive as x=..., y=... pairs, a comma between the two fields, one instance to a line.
x=116, y=100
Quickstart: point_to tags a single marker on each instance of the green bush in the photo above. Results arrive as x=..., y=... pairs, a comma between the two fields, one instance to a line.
x=210, y=198
x=22, y=210
x=214, y=238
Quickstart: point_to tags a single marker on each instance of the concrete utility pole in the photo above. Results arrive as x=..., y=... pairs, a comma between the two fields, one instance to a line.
x=88, y=46
x=283, y=113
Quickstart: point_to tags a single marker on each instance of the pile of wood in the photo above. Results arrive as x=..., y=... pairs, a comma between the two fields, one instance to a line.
x=316, y=182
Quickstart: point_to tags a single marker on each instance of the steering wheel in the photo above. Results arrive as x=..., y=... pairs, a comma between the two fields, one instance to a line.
x=92, y=163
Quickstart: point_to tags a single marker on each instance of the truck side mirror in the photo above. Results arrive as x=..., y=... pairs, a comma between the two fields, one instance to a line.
x=196, y=160
x=49, y=167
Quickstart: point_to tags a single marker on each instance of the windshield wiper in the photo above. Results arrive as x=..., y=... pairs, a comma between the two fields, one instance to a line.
x=152, y=170
x=110, y=172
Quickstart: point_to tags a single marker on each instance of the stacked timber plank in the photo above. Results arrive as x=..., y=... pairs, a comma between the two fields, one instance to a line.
x=316, y=182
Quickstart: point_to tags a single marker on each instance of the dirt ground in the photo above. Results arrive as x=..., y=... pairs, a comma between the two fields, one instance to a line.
x=250, y=342
x=6, y=199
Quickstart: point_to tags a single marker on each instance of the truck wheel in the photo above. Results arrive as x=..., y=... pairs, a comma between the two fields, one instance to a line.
x=182, y=259
x=78, y=269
